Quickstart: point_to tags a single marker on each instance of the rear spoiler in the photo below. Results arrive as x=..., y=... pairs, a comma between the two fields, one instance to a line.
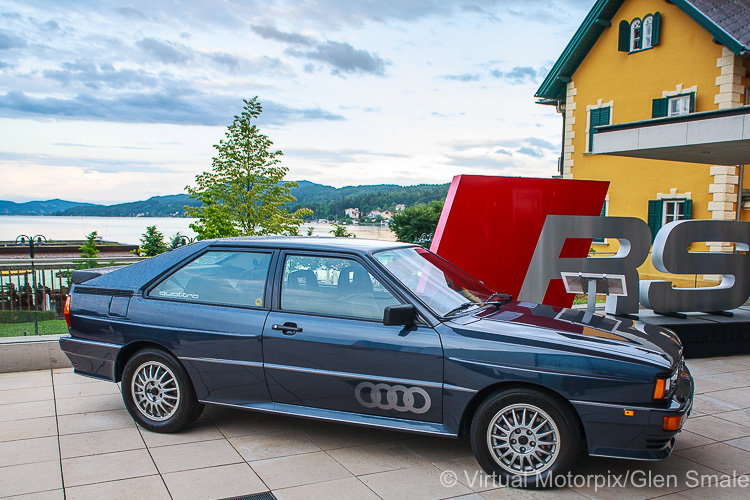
x=83, y=275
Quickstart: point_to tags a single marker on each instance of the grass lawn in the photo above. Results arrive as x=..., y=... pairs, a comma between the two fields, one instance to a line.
x=53, y=327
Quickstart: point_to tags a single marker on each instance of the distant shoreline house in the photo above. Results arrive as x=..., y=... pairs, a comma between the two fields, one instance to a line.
x=654, y=99
x=385, y=214
x=352, y=213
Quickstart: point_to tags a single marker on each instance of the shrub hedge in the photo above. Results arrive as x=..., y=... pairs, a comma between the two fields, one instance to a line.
x=25, y=316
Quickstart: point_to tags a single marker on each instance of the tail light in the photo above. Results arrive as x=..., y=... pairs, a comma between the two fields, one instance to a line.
x=66, y=310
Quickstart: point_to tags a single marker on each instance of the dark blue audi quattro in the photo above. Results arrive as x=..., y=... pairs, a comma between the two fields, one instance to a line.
x=382, y=334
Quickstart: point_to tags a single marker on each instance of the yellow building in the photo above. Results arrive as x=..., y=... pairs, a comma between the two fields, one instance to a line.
x=647, y=81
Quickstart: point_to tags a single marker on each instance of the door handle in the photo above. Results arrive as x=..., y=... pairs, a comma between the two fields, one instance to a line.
x=287, y=328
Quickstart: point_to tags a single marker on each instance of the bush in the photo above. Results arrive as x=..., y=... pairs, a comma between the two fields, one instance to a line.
x=25, y=316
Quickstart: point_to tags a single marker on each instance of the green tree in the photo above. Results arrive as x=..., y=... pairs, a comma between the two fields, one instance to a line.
x=88, y=251
x=341, y=232
x=175, y=241
x=152, y=242
x=244, y=193
x=413, y=222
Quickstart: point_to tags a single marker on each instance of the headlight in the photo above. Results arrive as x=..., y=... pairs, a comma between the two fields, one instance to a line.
x=665, y=385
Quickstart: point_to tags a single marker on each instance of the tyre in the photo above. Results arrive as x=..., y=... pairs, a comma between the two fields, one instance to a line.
x=158, y=393
x=525, y=438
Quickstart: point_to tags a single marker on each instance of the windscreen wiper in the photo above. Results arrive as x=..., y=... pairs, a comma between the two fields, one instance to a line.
x=498, y=299
x=463, y=306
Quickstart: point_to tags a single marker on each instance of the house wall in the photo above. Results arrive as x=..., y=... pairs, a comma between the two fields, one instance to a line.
x=686, y=59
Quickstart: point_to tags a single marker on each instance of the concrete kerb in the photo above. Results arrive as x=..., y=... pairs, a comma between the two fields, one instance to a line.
x=22, y=354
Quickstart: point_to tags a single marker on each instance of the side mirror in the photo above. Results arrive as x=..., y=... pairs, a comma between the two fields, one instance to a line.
x=400, y=315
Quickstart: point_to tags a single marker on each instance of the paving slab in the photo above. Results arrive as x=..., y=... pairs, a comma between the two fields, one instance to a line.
x=61, y=437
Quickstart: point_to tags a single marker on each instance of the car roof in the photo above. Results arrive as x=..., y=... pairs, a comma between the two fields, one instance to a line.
x=310, y=243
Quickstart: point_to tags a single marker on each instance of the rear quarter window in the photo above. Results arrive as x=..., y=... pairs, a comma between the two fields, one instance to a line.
x=219, y=277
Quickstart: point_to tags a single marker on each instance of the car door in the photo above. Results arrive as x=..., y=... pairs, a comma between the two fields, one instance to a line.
x=210, y=313
x=325, y=346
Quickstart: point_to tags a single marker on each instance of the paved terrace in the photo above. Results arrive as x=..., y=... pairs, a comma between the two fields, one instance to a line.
x=66, y=436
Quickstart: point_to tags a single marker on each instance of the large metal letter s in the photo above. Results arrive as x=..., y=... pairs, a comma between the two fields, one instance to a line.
x=670, y=255
x=546, y=264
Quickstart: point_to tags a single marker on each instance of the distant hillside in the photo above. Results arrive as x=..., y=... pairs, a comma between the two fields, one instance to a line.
x=328, y=202
x=37, y=207
x=325, y=201
x=157, y=206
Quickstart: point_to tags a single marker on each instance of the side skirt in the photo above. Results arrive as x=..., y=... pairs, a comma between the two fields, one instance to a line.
x=344, y=417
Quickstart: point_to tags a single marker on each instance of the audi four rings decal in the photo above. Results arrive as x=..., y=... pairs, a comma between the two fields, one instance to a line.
x=371, y=395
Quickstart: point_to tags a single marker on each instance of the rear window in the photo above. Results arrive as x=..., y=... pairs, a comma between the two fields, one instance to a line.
x=229, y=278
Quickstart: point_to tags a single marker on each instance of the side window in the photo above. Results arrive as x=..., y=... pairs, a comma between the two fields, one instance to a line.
x=332, y=286
x=231, y=278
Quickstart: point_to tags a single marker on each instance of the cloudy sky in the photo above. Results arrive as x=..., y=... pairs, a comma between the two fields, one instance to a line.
x=109, y=102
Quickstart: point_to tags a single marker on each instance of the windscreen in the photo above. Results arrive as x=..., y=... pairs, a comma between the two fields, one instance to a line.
x=440, y=285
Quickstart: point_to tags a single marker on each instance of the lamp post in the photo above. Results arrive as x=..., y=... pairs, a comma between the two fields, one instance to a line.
x=39, y=240
x=185, y=240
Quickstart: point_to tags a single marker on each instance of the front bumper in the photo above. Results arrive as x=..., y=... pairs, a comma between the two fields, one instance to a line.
x=91, y=358
x=612, y=433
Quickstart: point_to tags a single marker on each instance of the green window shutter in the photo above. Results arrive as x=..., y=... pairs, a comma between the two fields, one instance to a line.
x=623, y=43
x=593, y=120
x=602, y=214
x=659, y=108
x=688, y=209
x=655, y=208
x=692, y=102
x=655, y=29
x=599, y=116
x=604, y=116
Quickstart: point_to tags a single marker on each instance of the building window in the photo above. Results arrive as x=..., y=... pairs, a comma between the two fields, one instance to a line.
x=673, y=210
x=597, y=117
x=648, y=30
x=679, y=105
x=676, y=105
x=635, y=35
x=638, y=35
x=664, y=211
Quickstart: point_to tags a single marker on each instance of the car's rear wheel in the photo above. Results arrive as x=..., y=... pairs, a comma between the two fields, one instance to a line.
x=157, y=392
x=525, y=437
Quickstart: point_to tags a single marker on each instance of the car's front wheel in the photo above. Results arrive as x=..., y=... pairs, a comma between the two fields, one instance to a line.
x=525, y=438
x=157, y=392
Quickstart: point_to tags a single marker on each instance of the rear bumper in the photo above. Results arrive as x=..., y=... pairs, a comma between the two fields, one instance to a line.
x=610, y=433
x=91, y=358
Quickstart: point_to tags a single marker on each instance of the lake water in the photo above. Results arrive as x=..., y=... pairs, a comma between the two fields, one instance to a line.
x=129, y=230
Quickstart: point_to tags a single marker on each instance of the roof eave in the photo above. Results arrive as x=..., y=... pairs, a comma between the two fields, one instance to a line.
x=553, y=86
x=720, y=35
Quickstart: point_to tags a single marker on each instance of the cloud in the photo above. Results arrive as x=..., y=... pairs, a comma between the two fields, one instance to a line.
x=169, y=105
x=479, y=161
x=166, y=52
x=225, y=59
x=531, y=152
x=51, y=25
x=466, y=77
x=87, y=164
x=540, y=143
x=131, y=13
x=105, y=75
x=502, y=151
x=8, y=41
x=337, y=155
x=343, y=58
x=517, y=76
x=271, y=33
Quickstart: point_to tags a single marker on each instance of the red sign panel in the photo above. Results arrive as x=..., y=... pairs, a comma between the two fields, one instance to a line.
x=490, y=226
